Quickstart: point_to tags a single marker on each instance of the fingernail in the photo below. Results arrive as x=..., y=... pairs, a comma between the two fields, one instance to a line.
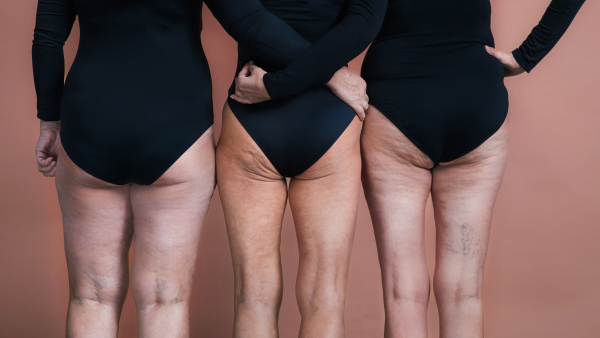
x=231, y=96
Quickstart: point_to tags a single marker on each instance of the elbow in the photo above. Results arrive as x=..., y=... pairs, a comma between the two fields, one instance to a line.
x=369, y=29
x=372, y=34
x=48, y=40
x=366, y=36
x=575, y=4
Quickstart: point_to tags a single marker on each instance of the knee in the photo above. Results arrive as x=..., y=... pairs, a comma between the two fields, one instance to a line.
x=407, y=290
x=329, y=301
x=458, y=289
x=262, y=289
x=153, y=290
x=98, y=289
x=325, y=293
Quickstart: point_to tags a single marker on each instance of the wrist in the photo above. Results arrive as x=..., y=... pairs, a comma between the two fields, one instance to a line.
x=267, y=83
x=263, y=88
x=50, y=125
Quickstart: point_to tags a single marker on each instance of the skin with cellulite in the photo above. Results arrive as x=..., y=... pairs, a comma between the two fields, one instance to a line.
x=311, y=136
x=438, y=125
x=137, y=151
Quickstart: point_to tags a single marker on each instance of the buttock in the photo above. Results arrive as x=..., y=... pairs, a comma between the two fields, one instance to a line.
x=136, y=145
x=295, y=133
x=446, y=108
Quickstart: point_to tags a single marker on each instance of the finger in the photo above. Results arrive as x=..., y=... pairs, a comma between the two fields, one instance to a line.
x=490, y=50
x=366, y=98
x=493, y=52
x=502, y=56
x=360, y=112
x=45, y=161
x=42, y=154
x=51, y=168
x=239, y=93
x=252, y=68
x=259, y=71
x=44, y=166
x=364, y=104
x=45, y=170
x=52, y=172
x=240, y=100
x=245, y=72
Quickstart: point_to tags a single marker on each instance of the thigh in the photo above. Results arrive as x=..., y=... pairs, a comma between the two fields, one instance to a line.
x=397, y=182
x=97, y=222
x=464, y=192
x=397, y=179
x=168, y=216
x=324, y=202
x=254, y=196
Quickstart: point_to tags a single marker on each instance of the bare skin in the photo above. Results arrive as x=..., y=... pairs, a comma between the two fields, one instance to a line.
x=511, y=66
x=324, y=202
x=345, y=84
x=397, y=179
x=100, y=220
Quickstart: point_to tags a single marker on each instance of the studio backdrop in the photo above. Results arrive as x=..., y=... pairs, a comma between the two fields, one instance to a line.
x=542, y=277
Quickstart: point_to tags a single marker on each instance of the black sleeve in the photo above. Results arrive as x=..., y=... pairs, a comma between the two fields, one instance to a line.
x=546, y=34
x=345, y=41
x=54, y=21
x=263, y=33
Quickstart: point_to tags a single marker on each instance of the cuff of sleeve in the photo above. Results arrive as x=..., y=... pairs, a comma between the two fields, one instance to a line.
x=326, y=80
x=48, y=116
x=271, y=88
x=521, y=61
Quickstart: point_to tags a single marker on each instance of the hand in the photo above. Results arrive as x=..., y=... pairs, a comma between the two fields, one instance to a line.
x=511, y=66
x=352, y=89
x=46, y=150
x=249, y=85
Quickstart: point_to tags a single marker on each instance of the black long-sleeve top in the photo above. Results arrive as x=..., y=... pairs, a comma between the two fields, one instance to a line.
x=247, y=21
x=545, y=35
x=359, y=25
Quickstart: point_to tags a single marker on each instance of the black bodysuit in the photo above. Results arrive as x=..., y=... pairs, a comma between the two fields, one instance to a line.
x=299, y=124
x=139, y=92
x=429, y=73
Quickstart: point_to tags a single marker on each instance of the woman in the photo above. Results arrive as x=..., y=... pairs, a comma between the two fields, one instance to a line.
x=310, y=136
x=135, y=121
x=438, y=124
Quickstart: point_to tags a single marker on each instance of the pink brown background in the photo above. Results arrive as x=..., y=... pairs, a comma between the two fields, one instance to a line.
x=543, y=267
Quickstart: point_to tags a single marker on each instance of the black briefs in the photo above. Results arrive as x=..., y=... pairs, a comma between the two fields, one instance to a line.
x=139, y=92
x=303, y=120
x=429, y=73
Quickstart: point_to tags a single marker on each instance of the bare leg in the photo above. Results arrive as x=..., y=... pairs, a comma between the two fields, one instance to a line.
x=324, y=202
x=254, y=196
x=97, y=222
x=464, y=192
x=168, y=216
x=98, y=229
x=397, y=183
